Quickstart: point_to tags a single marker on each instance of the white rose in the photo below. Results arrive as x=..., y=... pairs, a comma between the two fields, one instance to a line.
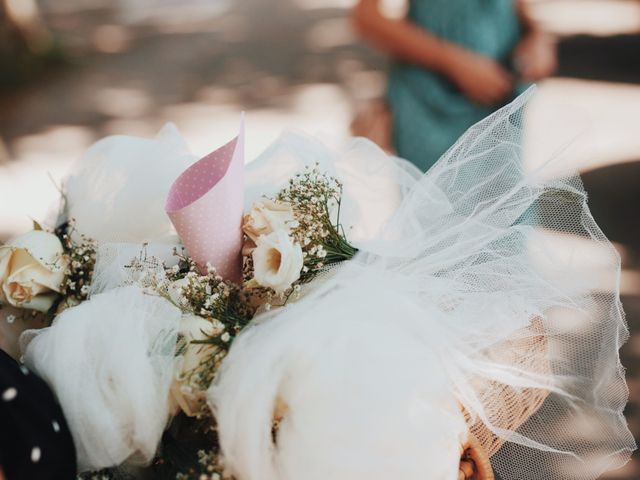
x=32, y=270
x=267, y=217
x=185, y=393
x=277, y=261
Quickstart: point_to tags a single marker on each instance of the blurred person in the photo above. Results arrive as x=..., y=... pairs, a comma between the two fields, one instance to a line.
x=456, y=61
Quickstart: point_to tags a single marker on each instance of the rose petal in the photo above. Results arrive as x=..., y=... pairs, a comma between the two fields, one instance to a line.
x=41, y=303
x=278, y=274
x=37, y=276
x=45, y=248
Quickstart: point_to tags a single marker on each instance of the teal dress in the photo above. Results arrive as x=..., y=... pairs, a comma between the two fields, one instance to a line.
x=430, y=112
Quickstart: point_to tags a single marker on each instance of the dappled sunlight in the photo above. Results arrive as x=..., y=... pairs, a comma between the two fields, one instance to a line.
x=53, y=143
x=330, y=33
x=122, y=102
x=28, y=183
x=111, y=38
x=318, y=4
x=557, y=254
x=318, y=108
x=595, y=17
x=630, y=283
x=171, y=12
x=592, y=124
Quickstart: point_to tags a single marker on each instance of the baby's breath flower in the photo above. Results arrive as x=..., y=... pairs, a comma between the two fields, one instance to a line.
x=205, y=294
x=316, y=200
x=82, y=258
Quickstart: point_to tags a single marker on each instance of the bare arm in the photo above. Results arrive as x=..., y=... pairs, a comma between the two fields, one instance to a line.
x=478, y=77
x=404, y=39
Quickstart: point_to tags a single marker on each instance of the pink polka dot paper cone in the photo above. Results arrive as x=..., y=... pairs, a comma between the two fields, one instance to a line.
x=205, y=204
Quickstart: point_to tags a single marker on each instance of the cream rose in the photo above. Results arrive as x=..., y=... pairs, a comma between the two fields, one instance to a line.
x=185, y=394
x=32, y=270
x=267, y=217
x=277, y=261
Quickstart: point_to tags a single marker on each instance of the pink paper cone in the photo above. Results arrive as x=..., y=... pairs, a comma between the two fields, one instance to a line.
x=205, y=204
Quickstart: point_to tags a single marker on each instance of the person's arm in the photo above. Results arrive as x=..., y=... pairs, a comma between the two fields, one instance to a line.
x=480, y=78
x=535, y=56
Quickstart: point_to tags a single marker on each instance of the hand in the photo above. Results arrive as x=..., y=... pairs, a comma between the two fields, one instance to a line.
x=480, y=78
x=535, y=57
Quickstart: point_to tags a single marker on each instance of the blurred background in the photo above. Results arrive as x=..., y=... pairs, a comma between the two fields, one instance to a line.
x=73, y=71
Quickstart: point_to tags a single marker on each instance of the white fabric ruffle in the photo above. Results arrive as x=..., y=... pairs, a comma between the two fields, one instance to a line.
x=110, y=363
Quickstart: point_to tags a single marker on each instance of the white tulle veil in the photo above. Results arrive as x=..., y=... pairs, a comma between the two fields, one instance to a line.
x=477, y=269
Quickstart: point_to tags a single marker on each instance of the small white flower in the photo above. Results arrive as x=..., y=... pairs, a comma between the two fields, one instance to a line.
x=225, y=337
x=10, y=318
x=176, y=291
x=277, y=261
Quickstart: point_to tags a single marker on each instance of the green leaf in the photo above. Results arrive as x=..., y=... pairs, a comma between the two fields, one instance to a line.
x=36, y=225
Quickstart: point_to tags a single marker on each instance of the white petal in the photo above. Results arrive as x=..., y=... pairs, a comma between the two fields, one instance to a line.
x=43, y=246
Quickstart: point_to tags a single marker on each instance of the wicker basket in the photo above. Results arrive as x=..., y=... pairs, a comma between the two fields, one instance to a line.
x=511, y=407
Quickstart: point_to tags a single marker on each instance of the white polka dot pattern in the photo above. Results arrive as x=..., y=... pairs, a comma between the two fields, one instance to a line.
x=9, y=394
x=36, y=453
x=205, y=204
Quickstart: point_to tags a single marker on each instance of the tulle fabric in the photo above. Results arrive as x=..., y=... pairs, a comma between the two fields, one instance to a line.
x=374, y=183
x=110, y=362
x=471, y=286
x=342, y=380
x=116, y=192
x=115, y=261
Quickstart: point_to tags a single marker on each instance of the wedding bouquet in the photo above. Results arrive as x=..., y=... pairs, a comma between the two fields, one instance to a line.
x=324, y=313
